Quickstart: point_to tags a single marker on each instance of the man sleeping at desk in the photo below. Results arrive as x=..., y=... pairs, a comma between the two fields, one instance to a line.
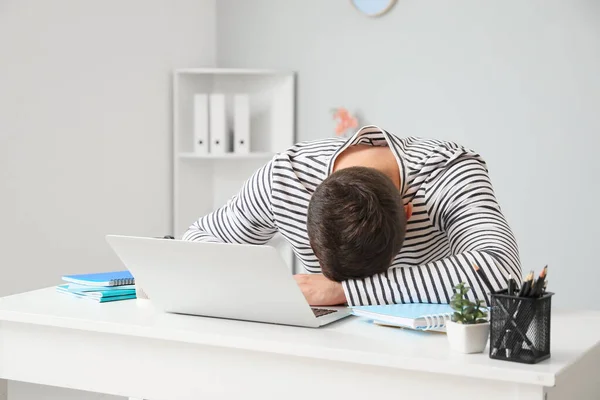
x=375, y=219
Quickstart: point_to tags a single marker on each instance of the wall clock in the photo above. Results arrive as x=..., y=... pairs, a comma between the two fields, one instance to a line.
x=373, y=8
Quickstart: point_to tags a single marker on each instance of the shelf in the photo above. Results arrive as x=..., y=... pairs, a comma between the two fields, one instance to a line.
x=203, y=183
x=230, y=71
x=228, y=156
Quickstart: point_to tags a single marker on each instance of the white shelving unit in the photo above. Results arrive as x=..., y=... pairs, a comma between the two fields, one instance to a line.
x=256, y=155
x=204, y=182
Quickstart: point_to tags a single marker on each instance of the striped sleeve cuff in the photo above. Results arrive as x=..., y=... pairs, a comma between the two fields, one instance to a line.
x=199, y=236
x=348, y=294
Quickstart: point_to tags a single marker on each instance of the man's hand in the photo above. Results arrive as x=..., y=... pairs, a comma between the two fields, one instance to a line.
x=320, y=291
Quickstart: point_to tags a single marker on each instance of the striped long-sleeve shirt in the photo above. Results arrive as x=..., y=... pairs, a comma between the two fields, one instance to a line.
x=456, y=219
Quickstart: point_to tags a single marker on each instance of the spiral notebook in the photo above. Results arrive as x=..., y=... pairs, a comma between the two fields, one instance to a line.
x=118, y=278
x=413, y=316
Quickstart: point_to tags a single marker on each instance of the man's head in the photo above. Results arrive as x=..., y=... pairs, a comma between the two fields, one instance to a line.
x=356, y=223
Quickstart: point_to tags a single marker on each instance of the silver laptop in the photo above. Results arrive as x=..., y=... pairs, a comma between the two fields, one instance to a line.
x=234, y=281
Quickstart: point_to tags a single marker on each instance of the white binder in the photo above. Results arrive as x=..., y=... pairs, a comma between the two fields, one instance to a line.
x=241, y=124
x=219, y=138
x=201, y=138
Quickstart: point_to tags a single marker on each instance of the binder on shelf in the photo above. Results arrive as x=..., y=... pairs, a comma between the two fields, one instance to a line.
x=201, y=137
x=413, y=316
x=241, y=124
x=219, y=138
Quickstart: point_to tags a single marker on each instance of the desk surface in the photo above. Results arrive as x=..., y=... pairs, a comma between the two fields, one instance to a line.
x=351, y=340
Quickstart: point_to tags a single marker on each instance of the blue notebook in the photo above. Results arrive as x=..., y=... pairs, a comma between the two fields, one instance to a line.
x=98, y=299
x=118, y=278
x=73, y=287
x=413, y=316
x=98, y=293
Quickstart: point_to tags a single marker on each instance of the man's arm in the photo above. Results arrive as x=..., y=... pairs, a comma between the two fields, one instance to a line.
x=461, y=203
x=246, y=218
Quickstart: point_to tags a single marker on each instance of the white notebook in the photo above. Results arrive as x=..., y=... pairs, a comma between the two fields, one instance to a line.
x=413, y=316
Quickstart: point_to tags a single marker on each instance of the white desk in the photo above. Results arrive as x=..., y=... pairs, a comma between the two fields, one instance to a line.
x=126, y=349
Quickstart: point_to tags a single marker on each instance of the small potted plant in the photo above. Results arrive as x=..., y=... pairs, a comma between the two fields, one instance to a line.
x=468, y=331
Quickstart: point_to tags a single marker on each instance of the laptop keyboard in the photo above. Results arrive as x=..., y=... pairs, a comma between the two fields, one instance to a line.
x=319, y=312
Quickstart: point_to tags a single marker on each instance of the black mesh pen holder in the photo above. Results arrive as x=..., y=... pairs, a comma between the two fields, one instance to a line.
x=520, y=328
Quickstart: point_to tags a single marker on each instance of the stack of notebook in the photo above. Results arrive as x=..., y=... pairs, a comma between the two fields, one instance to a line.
x=102, y=287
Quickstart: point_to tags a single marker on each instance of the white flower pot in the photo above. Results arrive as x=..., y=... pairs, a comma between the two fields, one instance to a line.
x=468, y=338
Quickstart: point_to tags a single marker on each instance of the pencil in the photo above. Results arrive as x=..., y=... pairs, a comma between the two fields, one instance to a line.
x=483, y=277
x=539, y=283
x=526, y=288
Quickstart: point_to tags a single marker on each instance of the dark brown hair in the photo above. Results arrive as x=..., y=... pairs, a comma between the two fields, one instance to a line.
x=356, y=223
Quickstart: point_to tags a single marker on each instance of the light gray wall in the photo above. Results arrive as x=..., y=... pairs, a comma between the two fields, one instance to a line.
x=85, y=131
x=515, y=79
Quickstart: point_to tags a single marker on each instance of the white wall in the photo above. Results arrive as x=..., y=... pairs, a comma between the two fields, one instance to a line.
x=85, y=120
x=515, y=79
x=85, y=131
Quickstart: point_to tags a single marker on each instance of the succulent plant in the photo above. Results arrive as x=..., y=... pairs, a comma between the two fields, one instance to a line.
x=466, y=311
